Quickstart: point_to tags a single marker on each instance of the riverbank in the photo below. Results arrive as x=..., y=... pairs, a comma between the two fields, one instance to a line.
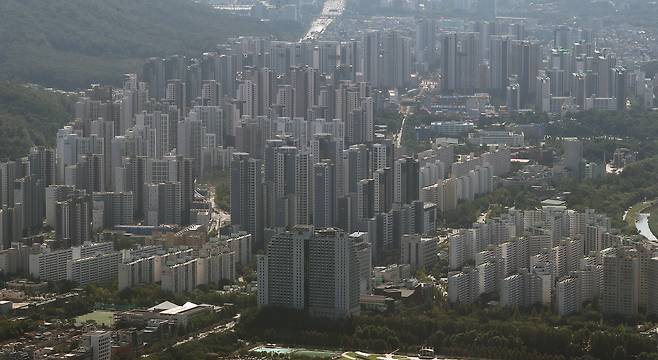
x=631, y=216
x=644, y=218
x=652, y=213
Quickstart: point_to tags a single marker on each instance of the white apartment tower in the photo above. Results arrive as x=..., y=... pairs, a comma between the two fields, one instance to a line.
x=316, y=271
x=621, y=282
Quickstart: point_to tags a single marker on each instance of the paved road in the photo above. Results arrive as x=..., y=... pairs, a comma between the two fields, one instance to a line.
x=331, y=10
x=218, y=216
x=199, y=336
x=216, y=330
x=398, y=139
x=215, y=215
x=396, y=357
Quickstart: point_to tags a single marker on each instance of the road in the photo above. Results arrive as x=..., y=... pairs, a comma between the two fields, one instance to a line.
x=201, y=335
x=218, y=216
x=405, y=111
x=427, y=86
x=215, y=215
x=392, y=356
x=216, y=330
x=398, y=140
x=331, y=10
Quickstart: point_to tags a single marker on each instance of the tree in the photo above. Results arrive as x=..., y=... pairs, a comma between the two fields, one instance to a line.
x=647, y=356
x=30, y=116
x=619, y=353
x=71, y=44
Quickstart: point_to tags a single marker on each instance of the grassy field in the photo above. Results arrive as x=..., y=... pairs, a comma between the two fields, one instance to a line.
x=104, y=318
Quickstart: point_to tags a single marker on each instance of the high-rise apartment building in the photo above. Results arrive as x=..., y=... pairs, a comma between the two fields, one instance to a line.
x=324, y=194
x=312, y=270
x=621, y=282
x=247, y=201
x=163, y=204
x=113, y=209
x=73, y=220
x=460, y=62
x=652, y=287
x=406, y=175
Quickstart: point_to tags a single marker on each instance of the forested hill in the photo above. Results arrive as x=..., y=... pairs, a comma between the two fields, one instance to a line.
x=71, y=43
x=29, y=117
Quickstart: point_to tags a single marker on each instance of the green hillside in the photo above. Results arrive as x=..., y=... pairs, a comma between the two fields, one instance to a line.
x=30, y=117
x=71, y=43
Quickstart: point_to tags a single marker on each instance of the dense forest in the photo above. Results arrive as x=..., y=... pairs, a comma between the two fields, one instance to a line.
x=602, y=133
x=471, y=332
x=637, y=124
x=613, y=195
x=30, y=116
x=70, y=44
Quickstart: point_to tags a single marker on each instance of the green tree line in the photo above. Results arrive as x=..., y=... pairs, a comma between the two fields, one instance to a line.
x=70, y=44
x=30, y=116
x=468, y=331
x=614, y=194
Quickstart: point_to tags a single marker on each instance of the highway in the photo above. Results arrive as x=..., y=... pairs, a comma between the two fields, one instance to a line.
x=200, y=336
x=331, y=10
x=218, y=216
x=398, y=139
x=427, y=86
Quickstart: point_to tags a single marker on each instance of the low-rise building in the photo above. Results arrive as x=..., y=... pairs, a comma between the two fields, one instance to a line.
x=180, y=315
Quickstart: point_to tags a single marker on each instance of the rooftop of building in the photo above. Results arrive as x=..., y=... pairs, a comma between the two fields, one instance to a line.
x=553, y=202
